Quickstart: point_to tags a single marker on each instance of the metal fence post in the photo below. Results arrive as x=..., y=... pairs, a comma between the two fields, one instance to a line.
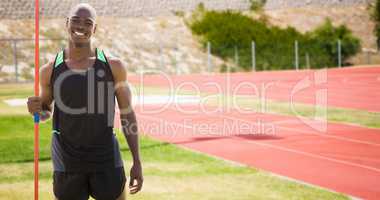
x=296, y=63
x=209, y=68
x=15, y=58
x=339, y=54
x=253, y=56
x=368, y=57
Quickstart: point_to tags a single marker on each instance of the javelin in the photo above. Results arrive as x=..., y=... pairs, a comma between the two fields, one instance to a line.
x=36, y=93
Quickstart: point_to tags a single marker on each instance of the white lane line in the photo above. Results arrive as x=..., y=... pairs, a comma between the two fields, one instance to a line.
x=333, y=136
x=310, y=155
x=313, y=133
x=282, y=148
x=16, y=102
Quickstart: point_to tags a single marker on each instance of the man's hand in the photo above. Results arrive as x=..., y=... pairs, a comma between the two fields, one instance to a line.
x=34, y=105
x=136, y=176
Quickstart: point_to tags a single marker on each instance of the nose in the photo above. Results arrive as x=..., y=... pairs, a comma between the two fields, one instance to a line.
x=80, y=27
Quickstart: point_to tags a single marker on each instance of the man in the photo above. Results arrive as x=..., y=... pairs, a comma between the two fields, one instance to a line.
x=83, y=84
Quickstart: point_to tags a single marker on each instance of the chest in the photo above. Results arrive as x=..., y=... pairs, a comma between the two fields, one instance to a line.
x=76, y=83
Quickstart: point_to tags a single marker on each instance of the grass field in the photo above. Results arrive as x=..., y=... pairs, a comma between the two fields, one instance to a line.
x=170, y=172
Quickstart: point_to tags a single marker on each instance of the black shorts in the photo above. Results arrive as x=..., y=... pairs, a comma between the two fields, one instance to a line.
x=103, y=185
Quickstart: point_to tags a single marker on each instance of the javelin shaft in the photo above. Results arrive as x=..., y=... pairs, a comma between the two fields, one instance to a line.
x=36, y=93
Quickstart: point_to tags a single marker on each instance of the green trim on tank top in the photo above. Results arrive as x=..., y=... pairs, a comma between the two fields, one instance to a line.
x=59, y=59
x=101, y=56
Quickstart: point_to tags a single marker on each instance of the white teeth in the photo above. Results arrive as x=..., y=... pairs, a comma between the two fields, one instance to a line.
x=78, y=33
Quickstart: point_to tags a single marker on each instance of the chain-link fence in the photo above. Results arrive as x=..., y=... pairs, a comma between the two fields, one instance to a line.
x=17, y=57
x=284, y=56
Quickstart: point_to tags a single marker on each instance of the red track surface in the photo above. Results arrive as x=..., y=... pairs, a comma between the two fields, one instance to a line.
x=354, y=87
x=343, y=158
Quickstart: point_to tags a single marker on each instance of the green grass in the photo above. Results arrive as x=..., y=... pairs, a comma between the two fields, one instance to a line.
x=20, y=90
x=170, y=172
x=16, y=139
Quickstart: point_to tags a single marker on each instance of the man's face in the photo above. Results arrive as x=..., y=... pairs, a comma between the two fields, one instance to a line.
x=81, y=25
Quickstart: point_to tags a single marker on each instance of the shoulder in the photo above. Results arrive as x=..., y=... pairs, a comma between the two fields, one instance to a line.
x=46, y=71
x=118, y=68
x=48, y=67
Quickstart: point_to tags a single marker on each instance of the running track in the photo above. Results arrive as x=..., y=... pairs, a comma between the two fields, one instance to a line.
x=351, y=87
x=344, y=158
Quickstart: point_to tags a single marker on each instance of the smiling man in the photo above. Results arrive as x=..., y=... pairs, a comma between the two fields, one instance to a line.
x=82, y=84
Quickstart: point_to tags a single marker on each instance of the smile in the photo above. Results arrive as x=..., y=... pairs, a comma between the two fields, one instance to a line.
x=79, y=33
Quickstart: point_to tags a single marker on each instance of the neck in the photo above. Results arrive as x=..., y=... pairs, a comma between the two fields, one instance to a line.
x=79, y=51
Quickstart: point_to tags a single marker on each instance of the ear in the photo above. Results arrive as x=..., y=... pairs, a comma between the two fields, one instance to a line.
x=67, y=22
x=95, y=28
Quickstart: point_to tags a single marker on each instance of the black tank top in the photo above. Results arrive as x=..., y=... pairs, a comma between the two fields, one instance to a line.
x=84, y=107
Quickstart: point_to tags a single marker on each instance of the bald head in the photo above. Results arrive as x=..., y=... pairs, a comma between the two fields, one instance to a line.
x=81, y=24
x=83, y=9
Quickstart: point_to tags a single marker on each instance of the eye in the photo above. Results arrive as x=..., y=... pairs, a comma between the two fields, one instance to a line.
x=75, y=21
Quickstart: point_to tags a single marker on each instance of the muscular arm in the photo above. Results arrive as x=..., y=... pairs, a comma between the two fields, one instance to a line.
x=46, y=89
x=128, y=121
x=43, y=102
x=127, y=115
